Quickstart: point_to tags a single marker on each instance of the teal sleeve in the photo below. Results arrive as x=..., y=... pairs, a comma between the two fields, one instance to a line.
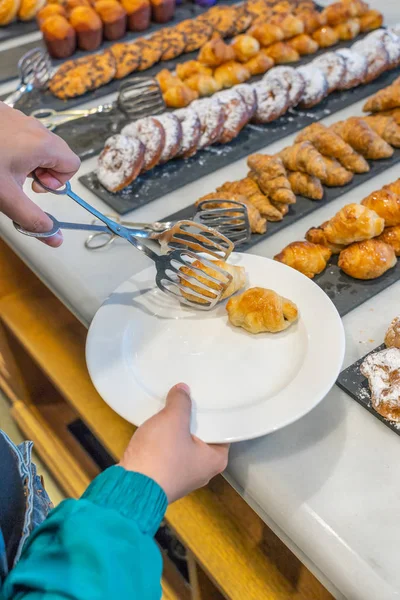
x=98, y=547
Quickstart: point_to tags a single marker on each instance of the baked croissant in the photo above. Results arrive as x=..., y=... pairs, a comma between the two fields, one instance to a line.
x=266, y=33
x=392, y=337
x=386, y=127
x=353, y=223
x=237, y=283
x=386, y=204
x=312, y=20
x=325, y=37
x=282, y=53
x=215, y=53
x=309, y=259
x=363, y=138
x=317, y=235
x=259, y=64
x=391, y=236
x=191, y=67
x=348, y=30
x=258, y=224
x=336, y=13
x=231, y=73
x=303, y=44
x=179, y=96
x=166, y=80
x=259, y=310
x=337, y=175
x=290, y=24
x=329, y=143
x=205, y=85
x=271, y=177
x=249, y=188
x=393, y=187
x=245, y=47
x=306, y=185
x=372, y=19
x=367, y=260
x=304, y=157
x=385, y=99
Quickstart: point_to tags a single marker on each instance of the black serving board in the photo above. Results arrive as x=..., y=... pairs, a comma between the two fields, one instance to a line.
x=16, y=29
x=169, y=177
x=353, y=382
x=9, y=58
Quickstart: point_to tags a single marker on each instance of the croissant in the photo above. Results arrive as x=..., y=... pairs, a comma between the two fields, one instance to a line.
x=358, y=8
x=166, y=80
x=179, y=96
x=190, y=68
x=385, y=99
x=304, y=157
x=367, y=260
x=337, y=175
x=245, y=47
x=266, y=33
x=303, y=44
x=282, y=53
x=258, y=224
x=325, y=37
x=317, y=235
x=392, y=337
x=205, y=85
x=336, y=13
x=353, y=223
x=329, y=143
x=391, y=236
x=312, y=20
x=363, y=138
x=271, y=177
x=348, y=30
x=309, y=259
x=215, y=53
x=283, y=208
x=259, y=310
x=237, y=283
x=306, y=185
x=290, y=24
x=386, y=204
x=393, y=187
x=371, y=20
x=259, y=64
x=231, y=73
x=250, y=189
x=386, y=127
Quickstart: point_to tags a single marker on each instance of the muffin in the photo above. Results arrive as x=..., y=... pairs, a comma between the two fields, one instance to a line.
x=162, y=10
x=59, y=36
x=139, y=14
x=88, y=27
x=49, y=11
x=29, y=8
x=113, y=16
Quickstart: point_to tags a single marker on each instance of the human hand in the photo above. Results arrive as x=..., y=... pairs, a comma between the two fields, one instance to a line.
x=164, y=449
x=27, y=147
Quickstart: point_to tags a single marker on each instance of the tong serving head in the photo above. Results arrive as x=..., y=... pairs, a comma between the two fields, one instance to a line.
x=140, y=97
x=35, y=68
x=197, y=238
x=228, y=217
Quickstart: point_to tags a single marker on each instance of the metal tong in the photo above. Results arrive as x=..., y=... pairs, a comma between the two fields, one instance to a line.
x=180, y=270
x=138, y=97
x=35, y=70
x=231, y=220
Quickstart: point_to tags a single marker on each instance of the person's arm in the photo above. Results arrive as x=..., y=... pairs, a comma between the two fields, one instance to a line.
x=101, y=547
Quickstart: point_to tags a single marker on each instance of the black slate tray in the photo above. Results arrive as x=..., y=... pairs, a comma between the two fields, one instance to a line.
x=16, y=29
x=356, y=386
x=175, y=174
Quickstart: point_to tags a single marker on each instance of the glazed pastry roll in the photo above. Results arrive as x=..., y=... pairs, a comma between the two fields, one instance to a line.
x=353, y=223
x=309, y=259
x=386, y=204
x=317, y=235
x=391, y=236
x=367, y=260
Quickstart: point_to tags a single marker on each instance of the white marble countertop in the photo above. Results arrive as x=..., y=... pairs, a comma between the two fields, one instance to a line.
x=328, y=485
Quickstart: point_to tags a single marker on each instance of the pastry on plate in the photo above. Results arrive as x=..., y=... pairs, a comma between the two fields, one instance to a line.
x=336, y=13
x=312, y=20
x=309, y=259
x=377, y=57
x=245, y=47
x=327, y=142
x=290, y=80
x=76, y=77
x=303, y=44
x=243, y=20
x=306, y=185
x=258, y=224
x=59, y=36
x=304, y=157
x=386, y=127
x=290, y=24
x=392, y=337
x=114, y=19
x=139, y=14
x=316, y=86
x=120, y=162
x=386, y=204
x=362, y=138
x=391, y=236
x=367, y=260
x=221, y=18
x=88, y=27
x=353, y=223
x=259, y=310
x=237, y=282
x=325, y=36
x=272, y=100
x=150, y=52
x=172, y=42
x=271, y=177
x=382, y=369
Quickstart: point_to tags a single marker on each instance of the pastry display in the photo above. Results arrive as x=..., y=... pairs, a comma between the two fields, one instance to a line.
x=356, y=69
x=348, y=30
x=59, y=36
x=385, y=99
x=306, y=185
x=391, y=236
x=29, y=8
x=382, y=369
x=304, y=44
x=259, y=310
x=113, y=17
x=245, y=47
x=138, y=13
x=386, y=127
x=317, y=235
x=325, y=37
x=231, y=73
x=258, y=224
x=333, y=67
x=162, y=11
x=120, y=162
x=127, y=58
x=362, y=138
x=316, y=88
x=88, y=27
x=371, y=20
x=386, y=204
x=271, y=177
x=367, y=260
x=336, y=174
x=304, y=157
x=76, y=77
x=353, y=223
x=151, y=133
x=249, y=188
x=376, y=54
x=392, y=337
x=282, y=53
x=237, y=283
x=309, y=259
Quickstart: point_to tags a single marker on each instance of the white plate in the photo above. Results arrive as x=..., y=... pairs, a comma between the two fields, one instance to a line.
x=141, y=342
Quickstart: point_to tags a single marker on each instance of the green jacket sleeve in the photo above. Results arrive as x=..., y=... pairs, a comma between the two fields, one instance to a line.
x=98, y=547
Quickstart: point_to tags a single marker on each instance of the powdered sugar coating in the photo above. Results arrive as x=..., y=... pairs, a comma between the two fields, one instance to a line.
x=382, y=370
x=211, y=114
x=152, y=135
x=356, y=68
x=391, y=41
x=272, y=101
x=333, y=66
x=173, y=135
x=191, y=131
x=248, y=94
x=376, y=55
x=395, y=29
x=120, y=162
x=289, y=78
x=316, y=86
x=235, y=115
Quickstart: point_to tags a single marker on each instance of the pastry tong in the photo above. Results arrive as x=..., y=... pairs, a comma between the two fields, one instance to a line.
x=230, y=219
x=138, y=97
x=182, y=272
x=35, y=70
